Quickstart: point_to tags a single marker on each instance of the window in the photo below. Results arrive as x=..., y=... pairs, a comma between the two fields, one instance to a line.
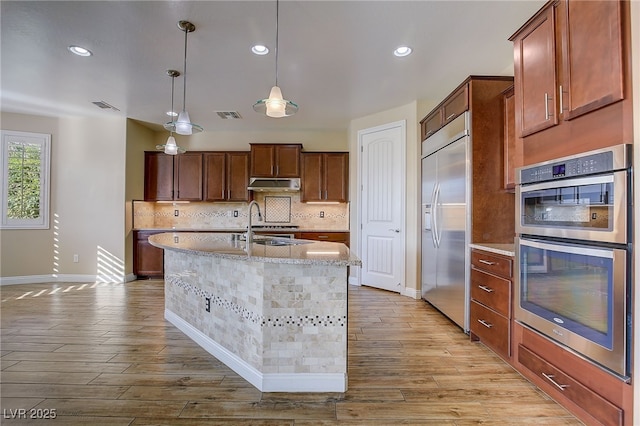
x=24, y=164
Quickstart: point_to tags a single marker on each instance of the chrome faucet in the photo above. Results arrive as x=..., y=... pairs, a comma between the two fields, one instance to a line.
x=249, y=230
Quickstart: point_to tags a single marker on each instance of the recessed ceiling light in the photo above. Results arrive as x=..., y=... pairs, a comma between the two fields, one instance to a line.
x=259, y=49
x=80, y=51
x=402, y=51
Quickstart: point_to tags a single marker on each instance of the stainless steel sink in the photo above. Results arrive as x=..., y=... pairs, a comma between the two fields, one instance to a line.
x=279, y=242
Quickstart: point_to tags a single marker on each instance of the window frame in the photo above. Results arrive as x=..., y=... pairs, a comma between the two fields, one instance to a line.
x=44, y=140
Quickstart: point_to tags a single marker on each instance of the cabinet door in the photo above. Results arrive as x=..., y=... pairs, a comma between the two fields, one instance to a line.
x=262, y=160
x=336, y=177
x=512, y=144
x=535, y=75
x=287, y=160
x=158, y=176
x=456, y=105
x=188, y=177
x=312, y=172
x=148, y=259
x=592, y=66
x=432, y=123
x=215, y=183
x=237, y=176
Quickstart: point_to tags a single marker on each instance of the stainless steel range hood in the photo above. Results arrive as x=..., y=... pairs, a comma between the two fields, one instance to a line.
x=274, y=184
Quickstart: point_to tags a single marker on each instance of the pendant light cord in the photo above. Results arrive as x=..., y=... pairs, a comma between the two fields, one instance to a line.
x=184, y=72
x=277, y=16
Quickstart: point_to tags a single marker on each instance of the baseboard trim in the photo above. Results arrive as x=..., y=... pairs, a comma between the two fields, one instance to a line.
x=276, y=382
x=67, y=278
x=412, y=293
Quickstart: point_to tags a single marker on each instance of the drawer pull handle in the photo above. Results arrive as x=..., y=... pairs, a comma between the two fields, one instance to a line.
x=451, y=116
x=323, y=236
x=486, y=262
x=550, y=377
x=486, y=324
x=485, y=288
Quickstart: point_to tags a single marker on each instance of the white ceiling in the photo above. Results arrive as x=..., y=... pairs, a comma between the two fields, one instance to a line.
x=335, y=57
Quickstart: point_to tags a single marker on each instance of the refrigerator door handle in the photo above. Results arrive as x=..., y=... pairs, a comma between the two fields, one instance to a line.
x=436, y=234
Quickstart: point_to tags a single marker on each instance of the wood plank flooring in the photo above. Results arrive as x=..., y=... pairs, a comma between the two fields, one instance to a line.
x=102, y=354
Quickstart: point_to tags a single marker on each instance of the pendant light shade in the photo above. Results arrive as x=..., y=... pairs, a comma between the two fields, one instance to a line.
x=276, y=106
x=171, y=147
x=183, y=125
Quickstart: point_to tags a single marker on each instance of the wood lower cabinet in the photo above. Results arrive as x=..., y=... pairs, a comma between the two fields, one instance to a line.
x=332, y=237
x=148, y=260
x=173, y=177
x=226, y=176
x=325, y=176
x=275, y=160
x=490, y=308
x=593, y=395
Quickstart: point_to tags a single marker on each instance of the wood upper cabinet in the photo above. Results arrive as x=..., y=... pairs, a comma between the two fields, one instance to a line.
x=275, y=160
x=512, y=143
x=226, y=176
x=169, y=177
x=591, y=69
x=568, y=61
x=454, y=105
x=325, y=176
x=535, y=74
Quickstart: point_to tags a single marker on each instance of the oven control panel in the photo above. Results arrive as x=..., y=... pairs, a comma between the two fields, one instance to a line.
x=568, y=167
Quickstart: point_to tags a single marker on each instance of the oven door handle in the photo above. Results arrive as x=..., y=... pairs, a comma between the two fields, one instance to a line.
x=589, y=180
x=568, y=248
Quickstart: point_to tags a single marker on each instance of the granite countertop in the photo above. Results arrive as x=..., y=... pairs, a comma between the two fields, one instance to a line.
x=307, y=252
x=260, y=230
x=505, y=249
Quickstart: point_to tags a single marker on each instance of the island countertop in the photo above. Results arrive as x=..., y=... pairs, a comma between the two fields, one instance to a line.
x=227, y=245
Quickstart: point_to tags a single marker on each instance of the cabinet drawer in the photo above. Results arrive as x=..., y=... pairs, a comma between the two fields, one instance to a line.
x=456, y=105
x=494, y=264
x=334, y=237
x=491, y=327
x=559, y=382
x=491, y=291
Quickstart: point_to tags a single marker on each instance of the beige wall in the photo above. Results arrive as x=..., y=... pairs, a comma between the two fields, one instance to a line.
x=407, y=113
x=211, y=140
x=87, y=197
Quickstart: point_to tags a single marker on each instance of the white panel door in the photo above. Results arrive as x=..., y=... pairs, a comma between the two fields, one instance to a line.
x=382, y=207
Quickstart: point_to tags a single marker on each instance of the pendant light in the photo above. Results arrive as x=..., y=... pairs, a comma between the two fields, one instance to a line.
x=183, y=125
x=171, y=147
x=276, y=106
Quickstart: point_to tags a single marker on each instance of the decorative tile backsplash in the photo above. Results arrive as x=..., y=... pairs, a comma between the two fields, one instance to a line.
x=277, y=209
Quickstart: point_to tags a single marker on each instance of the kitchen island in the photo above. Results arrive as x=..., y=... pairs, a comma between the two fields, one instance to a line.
x=274, y=312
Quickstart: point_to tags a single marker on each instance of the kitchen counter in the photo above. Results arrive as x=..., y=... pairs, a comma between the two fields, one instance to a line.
x=504, y=249
x=276, y=315
x=224, y=245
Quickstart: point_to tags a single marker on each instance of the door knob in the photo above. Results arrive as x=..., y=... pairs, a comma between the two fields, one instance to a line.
x=394, y=230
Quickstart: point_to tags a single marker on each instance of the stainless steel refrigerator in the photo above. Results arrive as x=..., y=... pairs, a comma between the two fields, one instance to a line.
x=446, y=220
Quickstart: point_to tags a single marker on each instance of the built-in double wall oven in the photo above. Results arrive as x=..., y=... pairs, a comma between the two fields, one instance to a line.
x=573, y=250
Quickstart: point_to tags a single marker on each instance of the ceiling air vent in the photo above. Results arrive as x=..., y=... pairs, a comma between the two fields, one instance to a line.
x=104, y=105
x=229, y=115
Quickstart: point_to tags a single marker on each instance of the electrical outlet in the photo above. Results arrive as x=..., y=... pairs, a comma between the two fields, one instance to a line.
x=321, y=214
x=76, y=258
x=176, y=212
x=235, y=213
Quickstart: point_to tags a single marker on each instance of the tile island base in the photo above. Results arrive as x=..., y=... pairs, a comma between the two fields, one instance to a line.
x=281, y=326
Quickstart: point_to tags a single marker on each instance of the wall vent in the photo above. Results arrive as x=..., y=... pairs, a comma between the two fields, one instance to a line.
x=229, y=115
x=104, y=105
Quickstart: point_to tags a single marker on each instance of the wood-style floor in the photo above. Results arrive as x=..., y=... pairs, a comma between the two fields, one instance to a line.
x=102, y=354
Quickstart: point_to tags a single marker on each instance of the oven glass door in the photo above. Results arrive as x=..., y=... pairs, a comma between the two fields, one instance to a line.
x=575, y=294
x=589, y=208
